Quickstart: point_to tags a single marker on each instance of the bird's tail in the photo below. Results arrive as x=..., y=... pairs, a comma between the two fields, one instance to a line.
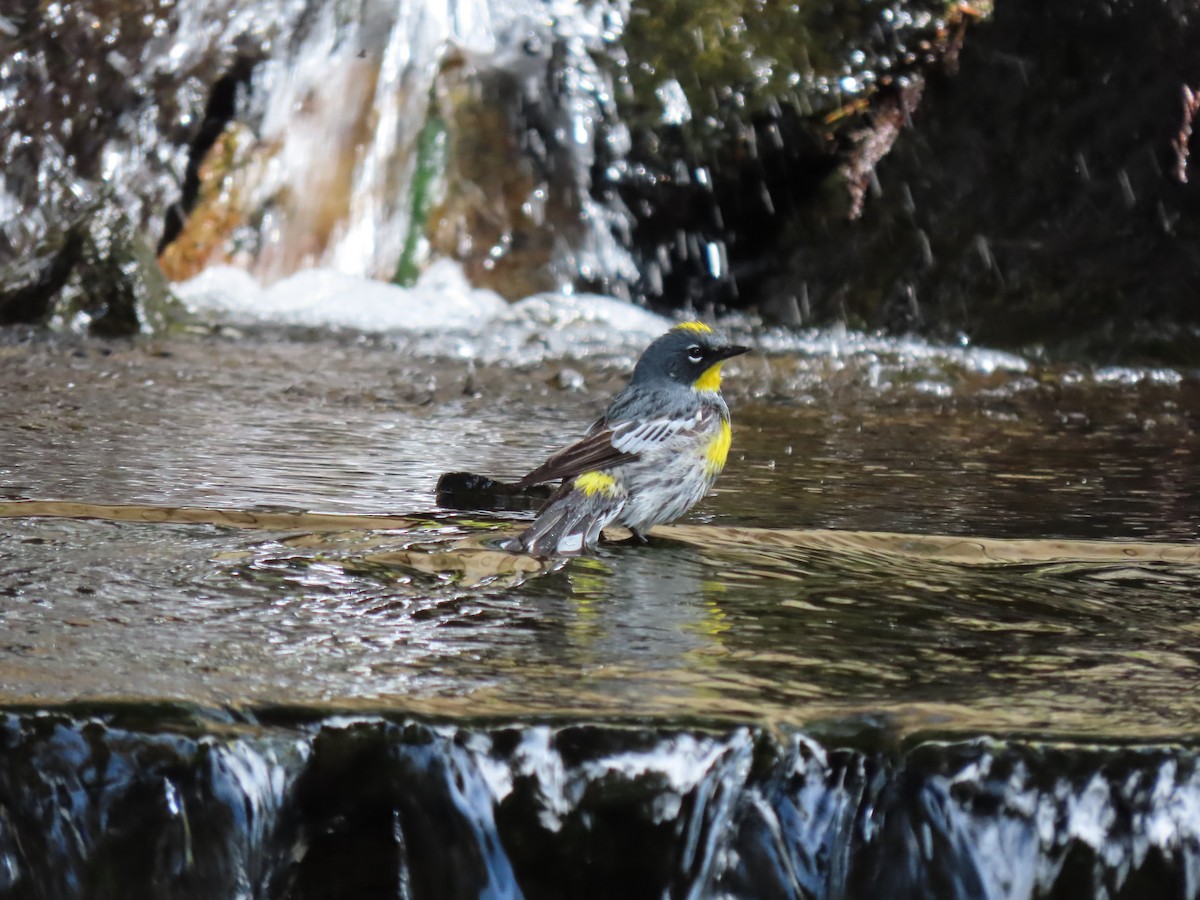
x=571, y=522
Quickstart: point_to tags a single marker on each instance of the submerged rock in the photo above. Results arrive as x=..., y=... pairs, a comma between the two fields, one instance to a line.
x=114, y=806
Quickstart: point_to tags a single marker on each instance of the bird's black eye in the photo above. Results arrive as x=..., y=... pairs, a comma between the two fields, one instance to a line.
x=695, y=354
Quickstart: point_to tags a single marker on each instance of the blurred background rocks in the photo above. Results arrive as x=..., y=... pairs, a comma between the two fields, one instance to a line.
x=1013, y=175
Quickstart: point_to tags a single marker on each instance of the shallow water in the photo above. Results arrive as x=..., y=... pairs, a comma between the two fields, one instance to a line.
x=716, y=624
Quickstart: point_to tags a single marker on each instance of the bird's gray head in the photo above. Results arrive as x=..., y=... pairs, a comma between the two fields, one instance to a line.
x=690, y=354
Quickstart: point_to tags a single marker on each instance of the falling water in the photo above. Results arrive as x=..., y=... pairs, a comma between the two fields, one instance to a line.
x=91, y=807
x=327, y=142
x=289, y=133
x=347, y=103
x=543, y=144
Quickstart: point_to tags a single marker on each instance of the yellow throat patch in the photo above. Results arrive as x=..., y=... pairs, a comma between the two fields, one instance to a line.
x=710, y=380
x=596, y=483
x=717, y=450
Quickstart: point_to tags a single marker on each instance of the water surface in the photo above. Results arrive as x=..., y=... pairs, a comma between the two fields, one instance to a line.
x=717, y=624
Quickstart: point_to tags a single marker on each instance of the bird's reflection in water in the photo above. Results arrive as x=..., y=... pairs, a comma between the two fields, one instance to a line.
x=654, y=610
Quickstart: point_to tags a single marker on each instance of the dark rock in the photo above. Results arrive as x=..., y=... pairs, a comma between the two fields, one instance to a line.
x=1036, y=197
x=30, y=289
x=788, y=109
x=99, y=107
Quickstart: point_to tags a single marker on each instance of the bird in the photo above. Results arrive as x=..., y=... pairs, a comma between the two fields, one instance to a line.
x=655, y=452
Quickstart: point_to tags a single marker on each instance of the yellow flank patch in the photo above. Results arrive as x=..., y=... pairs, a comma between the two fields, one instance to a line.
x=718, y=450
x=596, y=483
x=697, y=327
x=710, y=380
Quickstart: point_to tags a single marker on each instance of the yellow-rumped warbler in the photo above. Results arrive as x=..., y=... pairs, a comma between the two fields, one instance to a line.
x=657, y=450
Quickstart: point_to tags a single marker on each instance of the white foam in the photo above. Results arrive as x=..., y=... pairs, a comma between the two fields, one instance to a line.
x=568, y=312
x=441, y=315
x=221, y=291
x=442, y=300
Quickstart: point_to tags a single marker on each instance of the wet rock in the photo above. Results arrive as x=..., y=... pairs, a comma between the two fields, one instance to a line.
x=1038, y=195
x=569, y=380
x=97, y=108
x=99, y=275
x=30, y=288
x=497, y=213
x=117, y=286
x=276, y=136
x=747, y=120
x=210, y=225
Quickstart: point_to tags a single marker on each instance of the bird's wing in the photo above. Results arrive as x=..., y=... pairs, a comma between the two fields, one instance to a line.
x=594, y=451
x=608, y=445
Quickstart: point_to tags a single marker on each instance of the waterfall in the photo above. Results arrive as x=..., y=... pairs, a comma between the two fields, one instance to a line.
x=341, y=112
x=325, y=147
x=371, y=806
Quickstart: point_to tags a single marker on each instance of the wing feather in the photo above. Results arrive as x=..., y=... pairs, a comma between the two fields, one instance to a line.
x=608, y=445
x=637, y=437
x=595, y=451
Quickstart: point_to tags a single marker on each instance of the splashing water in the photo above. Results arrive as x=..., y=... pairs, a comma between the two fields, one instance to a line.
x=315, y=158
x=339, y=116
x=365, y=806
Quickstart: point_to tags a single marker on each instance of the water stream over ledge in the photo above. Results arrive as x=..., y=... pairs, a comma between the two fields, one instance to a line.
x=933, y=636
x=371, y=807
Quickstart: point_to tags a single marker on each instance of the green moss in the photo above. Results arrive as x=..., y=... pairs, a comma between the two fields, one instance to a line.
x=428, y=178
x=735, y=59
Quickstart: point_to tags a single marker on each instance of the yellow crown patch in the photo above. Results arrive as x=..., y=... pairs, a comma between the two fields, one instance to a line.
x=697, y=327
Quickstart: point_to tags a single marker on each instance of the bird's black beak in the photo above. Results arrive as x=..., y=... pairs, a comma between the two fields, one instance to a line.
x=727, y=352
